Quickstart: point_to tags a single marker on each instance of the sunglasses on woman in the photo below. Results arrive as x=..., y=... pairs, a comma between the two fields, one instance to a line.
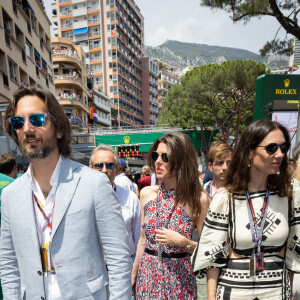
x=100, y=166
x=36, y=120
x=155, y=156
x=273, y=147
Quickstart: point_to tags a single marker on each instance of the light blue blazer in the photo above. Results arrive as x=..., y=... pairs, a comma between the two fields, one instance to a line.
x=87, y=226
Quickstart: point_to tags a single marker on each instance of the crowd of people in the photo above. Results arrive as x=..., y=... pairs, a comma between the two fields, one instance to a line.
x=74, y=232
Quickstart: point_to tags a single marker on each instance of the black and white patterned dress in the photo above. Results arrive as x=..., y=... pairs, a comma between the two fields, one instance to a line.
x=227, y=224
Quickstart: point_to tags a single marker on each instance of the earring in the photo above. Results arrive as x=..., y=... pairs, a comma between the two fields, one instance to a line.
x=249, y=164
x=278, y=172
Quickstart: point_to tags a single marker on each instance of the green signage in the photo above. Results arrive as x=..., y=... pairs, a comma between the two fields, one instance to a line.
x=276, y=92
x=145, y=139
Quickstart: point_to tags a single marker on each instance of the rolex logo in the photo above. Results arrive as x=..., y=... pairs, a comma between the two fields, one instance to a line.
x=287, y=83
x=126, y=139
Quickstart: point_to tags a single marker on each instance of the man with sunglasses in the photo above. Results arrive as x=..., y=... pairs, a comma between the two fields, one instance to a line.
x=57, y=238
x=106, y=160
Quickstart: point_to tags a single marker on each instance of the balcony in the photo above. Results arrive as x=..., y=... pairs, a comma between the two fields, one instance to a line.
x=80, y=38
x=80, y=24
x=79, y=12
x=103, y=121
x=67, y=79
x=102, y=106
x=68, y=25
x=93, y=7
x=65, y=13
x=77, y=1
x=76, y=121
x=73, y=101
x=65, y=53
x=93, y=21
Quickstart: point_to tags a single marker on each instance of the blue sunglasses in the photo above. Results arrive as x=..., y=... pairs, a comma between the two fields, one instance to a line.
x=37, y=120
x=99, y=166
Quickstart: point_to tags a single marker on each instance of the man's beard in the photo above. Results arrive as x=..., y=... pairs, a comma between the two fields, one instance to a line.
x=40, y=151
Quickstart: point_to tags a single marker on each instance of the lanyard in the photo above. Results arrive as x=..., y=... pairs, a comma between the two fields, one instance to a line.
x=47, y=218
x=255, y=231
x=210, y=191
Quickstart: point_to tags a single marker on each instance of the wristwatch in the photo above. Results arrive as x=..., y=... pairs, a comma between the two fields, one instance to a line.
x=189, y=245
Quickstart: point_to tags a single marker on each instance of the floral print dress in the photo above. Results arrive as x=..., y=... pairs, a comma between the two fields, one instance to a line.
x=169, y=278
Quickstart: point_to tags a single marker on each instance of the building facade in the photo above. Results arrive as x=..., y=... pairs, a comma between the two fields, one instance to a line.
x=150, y=73
x=168, y=76
x=25, y=52
x=74, y=87
x=111, y=33
x=295, y=57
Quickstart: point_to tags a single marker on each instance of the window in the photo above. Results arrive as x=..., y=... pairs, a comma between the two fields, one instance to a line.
x=34, y=23
x=14, y=3
x=28, y=27
x=12, y=70
x=98, y=80
x=28, y=49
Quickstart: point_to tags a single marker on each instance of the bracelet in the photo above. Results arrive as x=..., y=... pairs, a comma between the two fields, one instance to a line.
x=189, y=245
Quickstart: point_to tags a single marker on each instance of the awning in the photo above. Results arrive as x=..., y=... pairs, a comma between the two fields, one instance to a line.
x=37, y=54
x=44, y=63
x=96, y=39
x=80, y=31
x=27, y=41
x=29, y=7
x=69, y=66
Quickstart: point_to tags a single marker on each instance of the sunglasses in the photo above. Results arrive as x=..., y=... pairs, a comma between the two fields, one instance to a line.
x=155, y=156
x=100, y=166
x=36, y=120
x=273, y=147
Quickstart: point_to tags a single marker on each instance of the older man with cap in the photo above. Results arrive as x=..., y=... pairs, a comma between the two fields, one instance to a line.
x=106, y=160
x=122, y=179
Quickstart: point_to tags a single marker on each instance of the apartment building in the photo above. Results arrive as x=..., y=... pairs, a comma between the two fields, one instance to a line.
x=25, y=51
x=74, y=87
x=150, y=73
x=111, y=33
x=168, y=76
x=295, y=57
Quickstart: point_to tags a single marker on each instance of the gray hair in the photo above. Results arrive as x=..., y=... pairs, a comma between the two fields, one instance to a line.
x=296, y=152
x=106, y=148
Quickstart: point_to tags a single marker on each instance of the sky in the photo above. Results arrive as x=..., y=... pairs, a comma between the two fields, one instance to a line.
x=187, y=21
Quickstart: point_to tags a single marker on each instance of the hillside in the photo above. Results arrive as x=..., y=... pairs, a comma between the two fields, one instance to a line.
x=181, y=55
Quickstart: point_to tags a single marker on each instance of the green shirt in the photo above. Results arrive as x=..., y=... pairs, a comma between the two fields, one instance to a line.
x=4, y=181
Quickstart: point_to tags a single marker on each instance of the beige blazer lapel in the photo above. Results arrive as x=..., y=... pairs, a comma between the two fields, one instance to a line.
x=29, y=222
x=67, y=184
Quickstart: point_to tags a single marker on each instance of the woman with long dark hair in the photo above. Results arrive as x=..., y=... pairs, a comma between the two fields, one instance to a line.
x=170, y=213
x=248, y=242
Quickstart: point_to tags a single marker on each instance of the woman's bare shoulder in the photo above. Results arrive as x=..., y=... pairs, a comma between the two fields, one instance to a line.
x=148, y=193
x=204, y=198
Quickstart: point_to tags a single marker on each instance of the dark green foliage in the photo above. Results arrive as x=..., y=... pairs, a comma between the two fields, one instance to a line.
x=214, y=96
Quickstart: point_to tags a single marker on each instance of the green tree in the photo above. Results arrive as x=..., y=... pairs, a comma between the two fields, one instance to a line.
x=285, y=11
x=214, y=96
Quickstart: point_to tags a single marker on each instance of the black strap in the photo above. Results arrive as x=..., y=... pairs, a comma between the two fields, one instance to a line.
x=166, y=255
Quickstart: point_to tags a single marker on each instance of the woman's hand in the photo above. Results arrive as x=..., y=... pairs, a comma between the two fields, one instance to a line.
x=133, y=280
x=170, y=238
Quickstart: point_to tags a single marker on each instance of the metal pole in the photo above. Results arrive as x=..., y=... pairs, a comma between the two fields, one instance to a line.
x=298, y=123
